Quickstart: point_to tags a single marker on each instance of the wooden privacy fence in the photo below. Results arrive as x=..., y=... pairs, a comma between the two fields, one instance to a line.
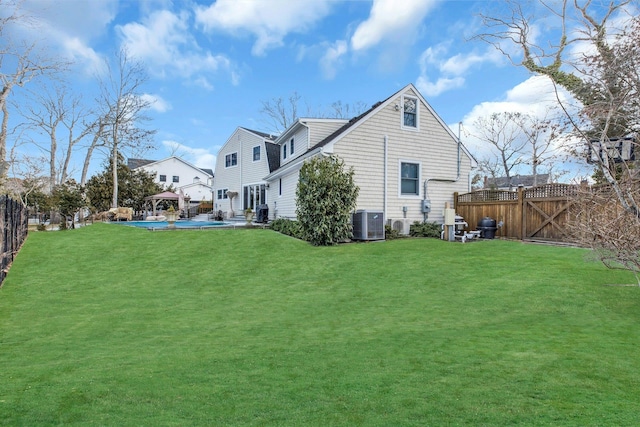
x=538, y=213
x=14, y=228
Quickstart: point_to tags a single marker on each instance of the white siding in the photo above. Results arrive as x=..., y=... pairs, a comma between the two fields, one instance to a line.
x=322, y=129
x=300, y=142
x=187, y=175
x=245, y=172
x=283, y=206
x=432, y=147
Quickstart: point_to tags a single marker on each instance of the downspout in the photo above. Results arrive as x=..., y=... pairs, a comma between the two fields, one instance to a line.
x=426, y=181
x=384, y=204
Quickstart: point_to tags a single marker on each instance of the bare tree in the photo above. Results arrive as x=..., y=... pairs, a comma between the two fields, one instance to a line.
x=605, y=78
x=339, y=110
x=281, y=113
x=123, y=109
x=20, y=62
x=97, y=128
x=50, y=111
x=602, y=224
x=605, y=82
x=542, y=136
x=502, y=132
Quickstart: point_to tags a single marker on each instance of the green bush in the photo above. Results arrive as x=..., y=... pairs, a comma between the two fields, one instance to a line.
x=425, y=229
x=390, y=233
x=325, y=198
x=287, y=226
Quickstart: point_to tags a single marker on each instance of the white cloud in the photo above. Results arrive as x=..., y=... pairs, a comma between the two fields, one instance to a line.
x=199, y=157
x=331, y=58
x=67, y=28
x=268, y=21
x=441, y=85
x=156, y=103
x=536, y=96
x=162, y=40
x=389, y=20
x=81, y=53
x=450, y=70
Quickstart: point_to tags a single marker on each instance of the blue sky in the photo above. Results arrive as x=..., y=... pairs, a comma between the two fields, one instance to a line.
x=211, y=64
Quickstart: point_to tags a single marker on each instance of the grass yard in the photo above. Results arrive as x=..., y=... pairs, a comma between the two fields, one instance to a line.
x=113, y=326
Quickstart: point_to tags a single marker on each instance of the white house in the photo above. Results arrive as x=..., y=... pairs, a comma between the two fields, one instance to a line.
x=407, y=162
x=195, y=183
x=241, y=165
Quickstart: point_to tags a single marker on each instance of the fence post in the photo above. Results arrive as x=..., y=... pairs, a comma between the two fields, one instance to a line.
x=521, y=214
x=455, y=201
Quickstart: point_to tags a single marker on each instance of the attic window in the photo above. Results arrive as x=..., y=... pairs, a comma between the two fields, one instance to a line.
x=410, y=108
x=256, y=153
x=163, y=178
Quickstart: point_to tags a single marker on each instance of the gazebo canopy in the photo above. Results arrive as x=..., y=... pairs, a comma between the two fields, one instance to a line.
x=165, y=195
x=157, y=198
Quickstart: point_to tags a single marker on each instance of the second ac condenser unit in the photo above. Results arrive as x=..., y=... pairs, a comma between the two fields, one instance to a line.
x=401, y=225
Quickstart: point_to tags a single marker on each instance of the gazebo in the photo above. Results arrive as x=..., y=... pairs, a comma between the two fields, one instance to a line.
x=165, y=195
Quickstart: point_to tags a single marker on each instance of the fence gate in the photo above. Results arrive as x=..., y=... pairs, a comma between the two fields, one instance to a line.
x=545, y=210
x=538, y=213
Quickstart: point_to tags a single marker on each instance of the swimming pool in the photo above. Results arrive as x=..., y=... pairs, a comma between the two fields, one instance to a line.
x=184, y=223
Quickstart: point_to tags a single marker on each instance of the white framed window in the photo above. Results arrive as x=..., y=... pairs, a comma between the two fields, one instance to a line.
x=256, y=153
x=292, y=149
x=284, y=151
x=163, y=178
x=176, y=178
x=409, y=178
x=222, y=193
x=230, y=160
x=410, y=112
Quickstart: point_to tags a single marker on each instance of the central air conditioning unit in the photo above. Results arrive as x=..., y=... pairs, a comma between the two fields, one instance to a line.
x=368, y=225
x=401, y=225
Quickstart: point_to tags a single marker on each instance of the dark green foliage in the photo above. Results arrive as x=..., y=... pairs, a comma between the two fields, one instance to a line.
x=390, y=233
x=133, y=187
x=425, y=229
x=67, y=199
x=287, y=226
x=326, y=196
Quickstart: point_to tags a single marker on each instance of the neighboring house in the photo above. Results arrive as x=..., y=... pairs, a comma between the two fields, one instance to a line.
x=525, y=181
x=194, y=182
x=404, y=157
x=241, y=165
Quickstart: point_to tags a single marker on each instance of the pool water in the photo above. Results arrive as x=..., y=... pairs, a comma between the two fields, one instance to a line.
x=178, y=224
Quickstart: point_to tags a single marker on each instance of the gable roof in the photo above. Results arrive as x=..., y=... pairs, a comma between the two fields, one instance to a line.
x=516, y=181
x=136, y=163
x=208, y=172
x=356, y=121
x=264, y=135
x=273, y=155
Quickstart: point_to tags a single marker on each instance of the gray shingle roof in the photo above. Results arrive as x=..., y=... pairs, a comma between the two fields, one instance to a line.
x=273, y=155
x=516, y=181
x=268, y=136
x=136, y=163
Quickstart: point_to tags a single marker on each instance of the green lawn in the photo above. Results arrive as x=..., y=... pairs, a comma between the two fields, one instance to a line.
x=111, y=325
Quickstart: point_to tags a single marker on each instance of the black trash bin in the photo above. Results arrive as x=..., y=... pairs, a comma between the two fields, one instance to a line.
x=488, y=227
x=262, y=213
